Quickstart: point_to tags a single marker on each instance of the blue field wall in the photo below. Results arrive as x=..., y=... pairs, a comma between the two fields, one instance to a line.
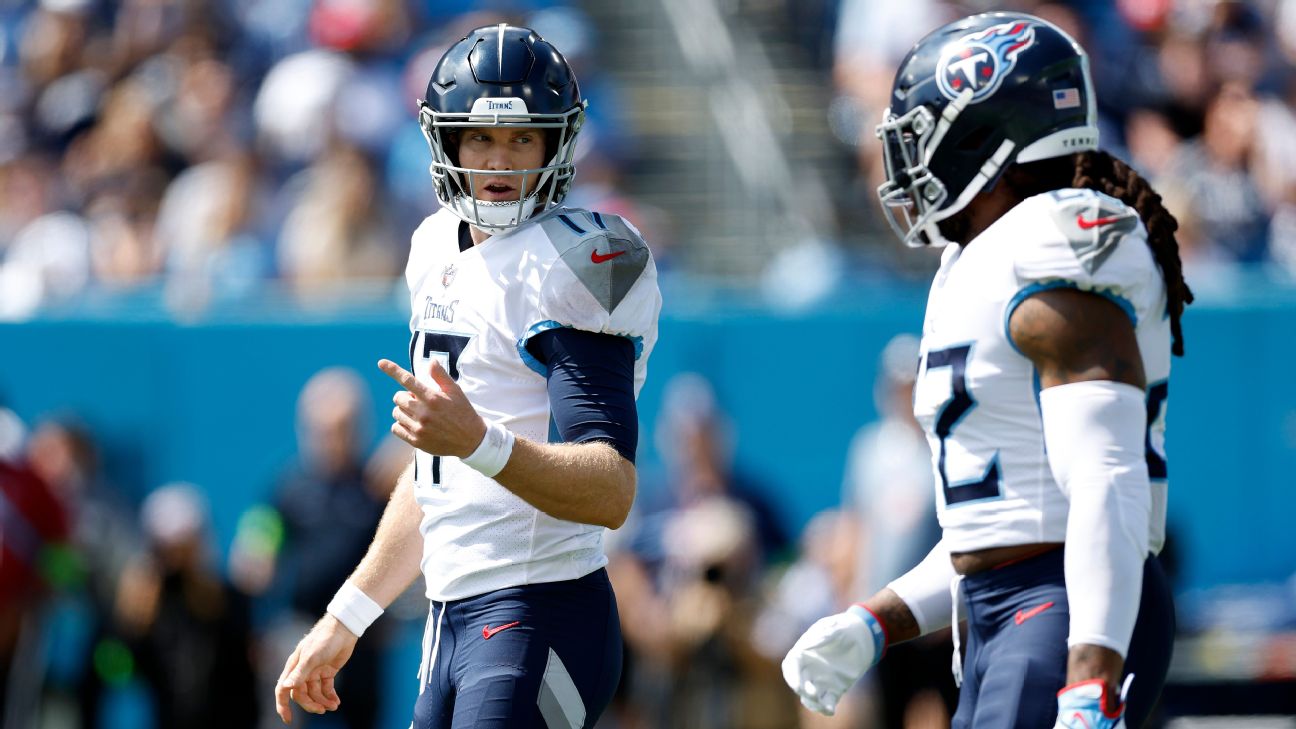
x=213, y=402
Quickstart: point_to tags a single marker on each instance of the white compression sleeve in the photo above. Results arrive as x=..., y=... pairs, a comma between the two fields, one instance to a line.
x=925, y=589
x=1094, y=432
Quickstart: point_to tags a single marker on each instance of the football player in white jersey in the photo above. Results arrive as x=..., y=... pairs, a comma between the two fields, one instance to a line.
x=531, y=328
x=1042, y=386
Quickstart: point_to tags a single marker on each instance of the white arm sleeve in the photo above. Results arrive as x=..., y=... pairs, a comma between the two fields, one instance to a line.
x=1094, y=432
x=925, y=590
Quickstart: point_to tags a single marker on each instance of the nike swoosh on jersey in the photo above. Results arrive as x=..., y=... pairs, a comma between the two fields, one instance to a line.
x=1022, y=617
x=1087, y=224
x=596, y=257
x=488, y=631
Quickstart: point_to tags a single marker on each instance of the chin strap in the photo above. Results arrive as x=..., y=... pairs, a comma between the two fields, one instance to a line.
x=495, y=217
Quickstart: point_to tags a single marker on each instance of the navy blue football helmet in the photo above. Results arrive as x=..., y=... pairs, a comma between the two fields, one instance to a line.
x=502, y=76
x=970, y=99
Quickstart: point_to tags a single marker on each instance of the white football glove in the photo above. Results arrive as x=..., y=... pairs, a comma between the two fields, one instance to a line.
x=1086, y=705
x=832, y=655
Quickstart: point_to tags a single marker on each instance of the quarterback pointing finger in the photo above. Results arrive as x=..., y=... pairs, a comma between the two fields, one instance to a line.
x=531, y=328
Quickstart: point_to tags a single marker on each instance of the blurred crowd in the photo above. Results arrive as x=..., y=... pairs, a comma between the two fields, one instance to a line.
x=119, y=615
x=208, y=146
x=115, y=614
x=713, y=590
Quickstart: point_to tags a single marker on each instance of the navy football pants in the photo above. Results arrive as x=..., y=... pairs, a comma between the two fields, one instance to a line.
x=1018, y=621
x=543, y=656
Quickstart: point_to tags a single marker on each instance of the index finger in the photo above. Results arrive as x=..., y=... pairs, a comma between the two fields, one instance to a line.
x=404, y=378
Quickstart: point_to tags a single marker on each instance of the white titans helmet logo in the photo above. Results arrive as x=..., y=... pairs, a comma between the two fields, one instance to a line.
x=980, y=60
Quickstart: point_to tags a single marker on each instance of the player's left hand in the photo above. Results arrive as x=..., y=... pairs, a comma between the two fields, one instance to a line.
x=1089, y=705
x=439, y=420
x=307, y=676
x=831, y=656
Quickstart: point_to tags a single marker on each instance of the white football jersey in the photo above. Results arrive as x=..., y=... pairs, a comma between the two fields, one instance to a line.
x=474, y=311
x=977, y=396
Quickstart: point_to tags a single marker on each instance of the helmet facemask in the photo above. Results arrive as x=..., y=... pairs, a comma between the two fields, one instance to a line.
x=913, y=198
x=454, y=184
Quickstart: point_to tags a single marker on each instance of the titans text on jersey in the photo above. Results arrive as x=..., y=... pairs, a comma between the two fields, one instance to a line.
x=475, y=310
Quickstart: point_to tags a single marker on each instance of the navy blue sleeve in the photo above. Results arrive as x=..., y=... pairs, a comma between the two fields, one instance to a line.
x=591, y=386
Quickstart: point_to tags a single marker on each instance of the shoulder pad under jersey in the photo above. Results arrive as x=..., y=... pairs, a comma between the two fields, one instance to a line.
x=603, y=252
x=1088, y=240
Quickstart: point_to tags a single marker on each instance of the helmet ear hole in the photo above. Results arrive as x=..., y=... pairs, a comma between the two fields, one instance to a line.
x=551, y=143
x=451, y=145
x=975, y=139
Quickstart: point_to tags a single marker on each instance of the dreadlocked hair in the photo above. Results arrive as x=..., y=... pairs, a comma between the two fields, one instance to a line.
x=1105, y=173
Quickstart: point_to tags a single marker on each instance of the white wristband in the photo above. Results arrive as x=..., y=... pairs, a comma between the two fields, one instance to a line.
x=353, y=608
x=493, y=452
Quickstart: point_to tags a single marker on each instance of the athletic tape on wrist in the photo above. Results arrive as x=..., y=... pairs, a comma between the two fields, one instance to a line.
x=493, y=453
x=876, y=628
x=353, y=608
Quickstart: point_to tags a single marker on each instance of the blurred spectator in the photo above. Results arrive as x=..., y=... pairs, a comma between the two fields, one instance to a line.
x=53, y=41
x=48, y=262
x=363, y=26
x=870, y=42
x=122, y=143
x=889, y=482
x=890, y=489
x=887, y=527
x=189, y=631
x=689, y=627
x=143, y=28
x=820, y=581
x=686, y=576
x=104, y=539
x=1224, y=215
x=329, y=511
x=293, y=108
x=64, y=455
x=13, y=436
x=34, y=529
x=206, y=225
x=1152, y=141
x=146, y=97
x=337, y=230
x=27, y=191
x=696, y=441
x=201, y=113
x=121, y=219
